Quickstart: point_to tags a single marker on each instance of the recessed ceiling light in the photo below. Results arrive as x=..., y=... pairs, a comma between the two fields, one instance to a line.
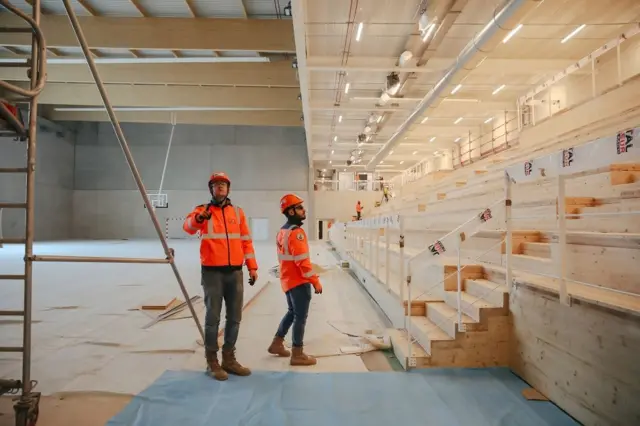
x=572, y=33
x=330, y=162
x=455, y=89
x=340, y=119
x=432, y=139
x=512, y=33
x=332, y=151
x=335, y=138
x=498, y=89
x=346, y=87
x=458, y=120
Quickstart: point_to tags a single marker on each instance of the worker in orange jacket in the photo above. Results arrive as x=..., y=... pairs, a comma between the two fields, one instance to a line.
x=224, y=247
x=358, y=211
x=297, y=280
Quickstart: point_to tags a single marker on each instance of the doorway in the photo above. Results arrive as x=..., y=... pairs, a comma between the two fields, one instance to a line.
x=323, y=228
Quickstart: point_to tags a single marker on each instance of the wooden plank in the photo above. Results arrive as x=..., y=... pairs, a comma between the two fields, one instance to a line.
x=157, y=305
x=451, y=275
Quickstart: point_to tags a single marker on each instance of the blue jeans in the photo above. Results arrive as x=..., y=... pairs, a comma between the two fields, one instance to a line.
x=219, y=286
x=298, y=301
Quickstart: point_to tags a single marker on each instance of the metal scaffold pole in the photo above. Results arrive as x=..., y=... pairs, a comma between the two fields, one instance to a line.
x=129, y=157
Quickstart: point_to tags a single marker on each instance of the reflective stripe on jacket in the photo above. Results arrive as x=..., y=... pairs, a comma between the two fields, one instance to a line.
x=225, y=238
x=293, y=254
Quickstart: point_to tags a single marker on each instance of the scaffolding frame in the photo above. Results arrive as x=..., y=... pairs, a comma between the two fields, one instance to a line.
x=26, y=407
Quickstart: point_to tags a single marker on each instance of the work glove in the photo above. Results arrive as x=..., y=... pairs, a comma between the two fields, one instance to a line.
x=253, y=277
x=318, y=288
x=203, y=215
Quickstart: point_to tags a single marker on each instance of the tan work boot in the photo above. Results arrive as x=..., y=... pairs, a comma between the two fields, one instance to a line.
x=213, y=367
x=277, y=347
x=231, y=365
x=298, y=357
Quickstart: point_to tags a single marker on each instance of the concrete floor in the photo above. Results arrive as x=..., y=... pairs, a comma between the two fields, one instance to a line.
x=90, y=352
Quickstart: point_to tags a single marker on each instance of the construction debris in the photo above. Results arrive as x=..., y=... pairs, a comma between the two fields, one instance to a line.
x=159, y=306
x=175, y=308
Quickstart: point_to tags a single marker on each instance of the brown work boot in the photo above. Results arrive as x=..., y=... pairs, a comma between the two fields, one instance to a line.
x=213, y=367
x=231, y=365
x=298, y=357
x=277, y=347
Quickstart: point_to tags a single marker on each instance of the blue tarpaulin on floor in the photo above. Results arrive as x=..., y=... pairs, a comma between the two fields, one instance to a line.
x=434, y=397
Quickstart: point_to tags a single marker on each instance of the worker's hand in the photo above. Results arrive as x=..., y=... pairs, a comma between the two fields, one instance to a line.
x=203, y=215
x=253, y=276
x=318, y=288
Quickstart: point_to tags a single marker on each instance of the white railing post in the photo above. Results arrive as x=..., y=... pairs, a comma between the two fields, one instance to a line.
x=387, y=266
x=562, y=240
x=508, y=243
x=459, y=290
x=370, y=234
x=401, y=243
x=377, y=255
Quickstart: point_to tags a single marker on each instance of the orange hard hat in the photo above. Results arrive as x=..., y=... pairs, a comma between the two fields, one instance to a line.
x=219, y=176
x=289, y=200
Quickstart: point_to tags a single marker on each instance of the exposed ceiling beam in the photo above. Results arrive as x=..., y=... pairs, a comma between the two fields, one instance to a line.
x=275, y=74
x=85, y=94
x=246, y=118
x=299, y=12
x=262, y=35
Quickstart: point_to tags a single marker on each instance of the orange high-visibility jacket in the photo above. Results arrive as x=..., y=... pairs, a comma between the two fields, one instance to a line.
x=293, y=254
x=358, y=207
x=225, y=238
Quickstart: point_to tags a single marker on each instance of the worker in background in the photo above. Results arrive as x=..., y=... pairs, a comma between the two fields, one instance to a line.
x=385, y=193
x=224, y=247
x=358, y=210
x=297, y=280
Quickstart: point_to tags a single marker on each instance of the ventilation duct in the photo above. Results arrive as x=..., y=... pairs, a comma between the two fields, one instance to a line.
x=503, y=21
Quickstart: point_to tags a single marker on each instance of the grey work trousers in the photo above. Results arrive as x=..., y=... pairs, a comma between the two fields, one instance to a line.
x=219, y=286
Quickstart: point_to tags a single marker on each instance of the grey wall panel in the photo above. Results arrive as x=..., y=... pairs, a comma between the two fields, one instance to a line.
x=263, y=163
x=54, y=186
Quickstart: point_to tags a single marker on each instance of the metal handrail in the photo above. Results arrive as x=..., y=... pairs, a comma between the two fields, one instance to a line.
x=42, y=56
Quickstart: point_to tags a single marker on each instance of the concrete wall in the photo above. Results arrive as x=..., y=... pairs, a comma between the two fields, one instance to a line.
x=262, y=162
x=54, y=186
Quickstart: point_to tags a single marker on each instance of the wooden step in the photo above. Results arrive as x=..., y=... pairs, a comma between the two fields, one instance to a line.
x=494, y=293
x=495, y=273
x=532, y=264
x=445, y=317
x=542, y=250
x=427, y=333
x=476, y=308
x=400, y=346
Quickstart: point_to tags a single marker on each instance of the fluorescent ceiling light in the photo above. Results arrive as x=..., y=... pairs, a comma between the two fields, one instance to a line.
x=428, y=32
x=359, y=32
x=379, y=119
x=402, y=162
x=330, y=162
x=414, y=152
x=346, y=87
x=455, y=89
x=498, y=89
x=113, y=61
x=458, y=120
x=512, y=33
x=390, y=152
x=340, y=119
x=488, y=120
x=432, y=139
x=458, y=140
x=332, y=151
x=424, y=120
x=381, y=161
x=335, y=139
x=572, y=33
